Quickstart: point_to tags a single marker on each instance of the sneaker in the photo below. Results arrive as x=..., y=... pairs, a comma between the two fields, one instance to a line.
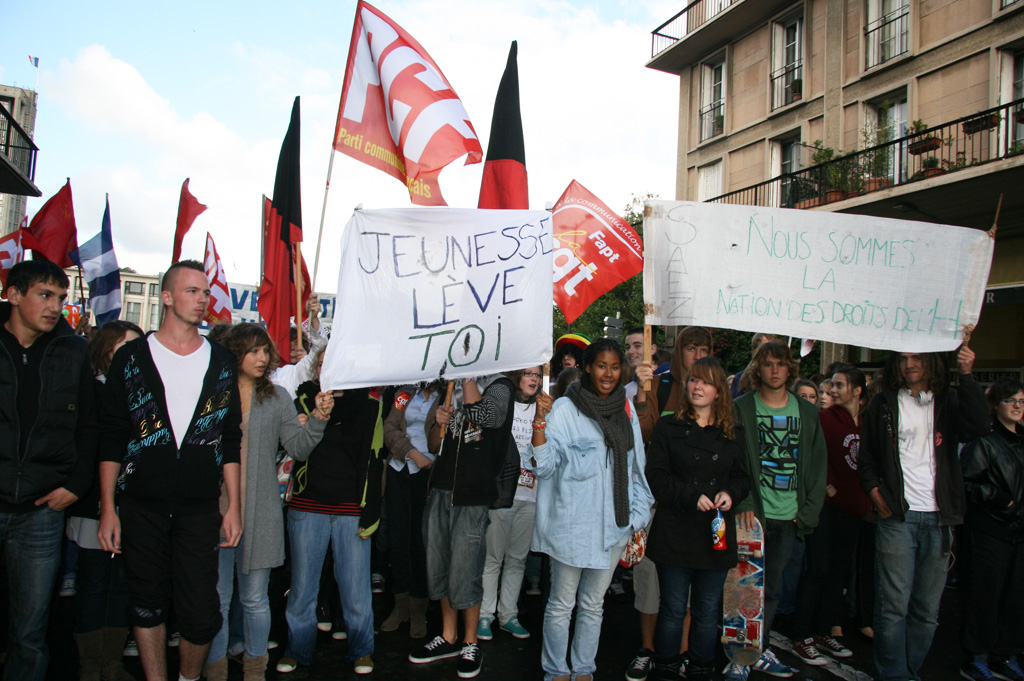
x=437, y=649
x=515, y=628
x=533, y=587
x=364, y=665
x=339, y=634
x=377, y=583
x=131, y=648
x=978, y=671
x=483, y=629
x=173, y=640
x=286, y=665
x=67, y=588
x=640, y=667
x=808, y=653
x=470, y=661
x=615, y=589
x=769, y=664
x=834, y=647
x=735, y=672
x=1007, y=668
x=323, y=617
x=271, y=644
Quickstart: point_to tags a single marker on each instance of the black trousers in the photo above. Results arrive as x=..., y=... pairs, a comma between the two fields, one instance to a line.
x=993, y=572
x=830, y=560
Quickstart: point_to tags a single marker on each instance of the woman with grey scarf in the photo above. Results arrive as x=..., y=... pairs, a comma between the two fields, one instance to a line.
x=588, y=451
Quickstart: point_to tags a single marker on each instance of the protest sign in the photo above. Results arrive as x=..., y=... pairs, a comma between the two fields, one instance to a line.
x=597, y=250
x=420, y=288
x=859, y=280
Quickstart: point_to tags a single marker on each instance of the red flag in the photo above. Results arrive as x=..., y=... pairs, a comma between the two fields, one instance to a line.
x=11, y=253
x=282, y=230
x=504, y=181
x=219, y=310
x=598, y=250
x=398, y=112
x=189, y=209
x=52, y=233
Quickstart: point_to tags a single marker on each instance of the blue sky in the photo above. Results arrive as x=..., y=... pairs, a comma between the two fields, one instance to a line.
x=134, y=97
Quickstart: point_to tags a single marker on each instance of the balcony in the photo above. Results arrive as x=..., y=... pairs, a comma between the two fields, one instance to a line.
x=703, y=26
x=17, y=158
x=887, y=37
x=924, y=162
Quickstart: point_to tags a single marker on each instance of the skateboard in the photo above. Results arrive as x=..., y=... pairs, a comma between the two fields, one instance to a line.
x=743, y=599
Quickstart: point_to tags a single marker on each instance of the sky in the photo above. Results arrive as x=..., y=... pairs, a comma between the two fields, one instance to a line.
x=135, y=97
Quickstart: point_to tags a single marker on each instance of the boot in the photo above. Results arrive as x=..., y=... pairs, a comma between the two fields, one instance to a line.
x=398, y=615
x=216, y=671
x=112, y=668
x=255, y=668
x=90, y=646
x=418, y=617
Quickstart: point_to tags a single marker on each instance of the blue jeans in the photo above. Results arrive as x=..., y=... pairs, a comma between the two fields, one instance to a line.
x=309, y=534
x=30, y=543
x=910, y=573
x=583, y=588
x=252, y=592
x=703, y=590
x=779, y=540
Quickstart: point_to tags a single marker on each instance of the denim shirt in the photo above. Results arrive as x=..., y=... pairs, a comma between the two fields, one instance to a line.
x=575, y=505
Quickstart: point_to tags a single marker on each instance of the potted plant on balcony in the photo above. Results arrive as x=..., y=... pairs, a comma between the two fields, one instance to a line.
x=981, y=123
x=925, y=144
x=877, y=162
x=719, y=122
x=804, y=193
x=797, y=89
x=929, y=168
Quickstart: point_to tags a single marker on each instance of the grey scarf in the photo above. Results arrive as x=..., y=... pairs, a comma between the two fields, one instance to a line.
x=610, y=415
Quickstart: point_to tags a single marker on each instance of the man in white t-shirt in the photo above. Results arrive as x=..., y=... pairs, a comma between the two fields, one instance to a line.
x=169, y=417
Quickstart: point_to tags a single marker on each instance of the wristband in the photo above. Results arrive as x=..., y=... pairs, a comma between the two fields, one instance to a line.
x=539, y=426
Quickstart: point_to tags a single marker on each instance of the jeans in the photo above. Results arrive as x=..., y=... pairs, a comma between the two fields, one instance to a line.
x=102, y=599
x=910, y=573
x=455, y=537
x=252, y=592
x=703, y=590
x=407, y=494
x=779, y=540
x=508, y=542
x=30, y=545
x=584, y=589
x=309, y=534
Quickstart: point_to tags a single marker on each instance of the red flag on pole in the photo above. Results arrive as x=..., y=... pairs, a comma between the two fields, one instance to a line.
x=504, y=181
x=52, y=233
x=11, y=253
x=597, y=250
x=282, y=229
x=219, y=310
x=398, y=112
x=189, y=209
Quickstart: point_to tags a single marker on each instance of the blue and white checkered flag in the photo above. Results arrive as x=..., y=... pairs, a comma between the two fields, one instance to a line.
x=99, y=266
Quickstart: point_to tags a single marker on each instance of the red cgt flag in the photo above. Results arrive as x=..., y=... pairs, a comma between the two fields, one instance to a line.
x=52, y=233
x=597, y=250
x=219, y=310
x=398, y=112
x=189, y=209
x=11, y=253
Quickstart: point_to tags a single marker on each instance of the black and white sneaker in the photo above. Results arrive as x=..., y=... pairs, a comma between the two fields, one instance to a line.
x=470, y=661
x=377, y=583
x=437, y=649
x=640, y=667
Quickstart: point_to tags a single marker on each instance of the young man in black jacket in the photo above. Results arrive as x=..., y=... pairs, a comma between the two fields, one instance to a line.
x=47, y=449
x=909, y=467
x=171, y=434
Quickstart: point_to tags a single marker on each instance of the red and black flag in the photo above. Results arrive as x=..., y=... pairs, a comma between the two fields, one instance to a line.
x=282, y=231
x=504, y=181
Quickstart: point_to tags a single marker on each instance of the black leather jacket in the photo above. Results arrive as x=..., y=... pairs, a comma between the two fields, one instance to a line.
x=993, y=467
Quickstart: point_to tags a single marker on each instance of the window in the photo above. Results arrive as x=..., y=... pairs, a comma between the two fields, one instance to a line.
x=787, y=62
x=712, y=98
x=709, y=181
x=154, y=290
x=134, y=288
x=886, y=122
x=154, y=315
x=887, y=31
x=1011, y=88
x=784, y=158
x=133, y=311
x=1006, y=3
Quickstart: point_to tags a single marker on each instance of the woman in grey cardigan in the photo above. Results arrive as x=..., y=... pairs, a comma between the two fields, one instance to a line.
x=268, y=416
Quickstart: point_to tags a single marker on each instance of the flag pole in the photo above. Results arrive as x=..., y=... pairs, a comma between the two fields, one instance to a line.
x=323, y=214
x=298, y=293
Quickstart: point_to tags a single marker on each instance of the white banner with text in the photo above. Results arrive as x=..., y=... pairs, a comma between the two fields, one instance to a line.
x=421, y=289
x=859, y=280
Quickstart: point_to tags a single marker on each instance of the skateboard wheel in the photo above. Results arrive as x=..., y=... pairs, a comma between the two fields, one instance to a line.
x=758, y=554
x=725, y=640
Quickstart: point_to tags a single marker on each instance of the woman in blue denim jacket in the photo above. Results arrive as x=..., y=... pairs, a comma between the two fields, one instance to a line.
x=590, y=454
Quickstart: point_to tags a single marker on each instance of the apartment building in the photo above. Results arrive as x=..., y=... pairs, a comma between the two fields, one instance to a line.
x=908, y=109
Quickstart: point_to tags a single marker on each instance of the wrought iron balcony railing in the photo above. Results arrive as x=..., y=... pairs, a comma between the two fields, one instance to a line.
x=16, y=145
x=688, y=20
x=787, y=84
x=712, y=120
x=991, y=135
x=888, y=37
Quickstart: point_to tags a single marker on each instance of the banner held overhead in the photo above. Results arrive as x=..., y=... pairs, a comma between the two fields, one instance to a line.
x=852, y=279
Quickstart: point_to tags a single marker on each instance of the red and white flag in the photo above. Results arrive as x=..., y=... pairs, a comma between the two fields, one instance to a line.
x=398, y=112
x=597, y=250
x=219, y=311
x=11, y=253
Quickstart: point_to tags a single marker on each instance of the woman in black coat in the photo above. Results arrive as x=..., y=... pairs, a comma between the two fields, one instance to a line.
x=695, y=468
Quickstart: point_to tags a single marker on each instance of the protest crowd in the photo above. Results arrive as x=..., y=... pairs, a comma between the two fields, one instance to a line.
x=204, y=485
